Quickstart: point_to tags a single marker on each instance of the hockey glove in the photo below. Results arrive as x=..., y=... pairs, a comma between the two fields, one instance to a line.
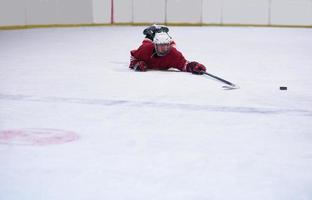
x=195, y=68
x=138, y=65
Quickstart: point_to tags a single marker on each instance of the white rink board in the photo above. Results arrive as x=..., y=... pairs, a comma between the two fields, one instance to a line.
x=74, y=12
x=291, y=12
x=148, y=11
x=12, y=12
x=212, y=11
x=42, y=12
x=184, y=11
x=246, y=12
x=101, y=11
x=123, y=11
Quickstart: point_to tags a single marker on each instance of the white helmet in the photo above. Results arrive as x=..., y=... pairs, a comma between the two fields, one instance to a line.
x=162, y=43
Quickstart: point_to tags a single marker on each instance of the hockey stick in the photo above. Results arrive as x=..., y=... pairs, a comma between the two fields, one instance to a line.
x=229, y=86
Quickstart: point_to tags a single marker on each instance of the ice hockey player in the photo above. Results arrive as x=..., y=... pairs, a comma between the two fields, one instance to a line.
x=161, y=54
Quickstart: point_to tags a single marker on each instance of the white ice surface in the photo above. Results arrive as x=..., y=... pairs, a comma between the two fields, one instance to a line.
x=158, y=135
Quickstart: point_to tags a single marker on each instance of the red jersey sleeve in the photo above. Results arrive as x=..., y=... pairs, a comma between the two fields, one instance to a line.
x=177, y=60
x=143, y=52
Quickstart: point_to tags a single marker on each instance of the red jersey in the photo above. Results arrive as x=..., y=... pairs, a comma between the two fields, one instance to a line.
x=146, y=52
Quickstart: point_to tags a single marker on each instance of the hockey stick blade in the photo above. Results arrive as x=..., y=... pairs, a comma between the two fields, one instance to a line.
x=228, y=87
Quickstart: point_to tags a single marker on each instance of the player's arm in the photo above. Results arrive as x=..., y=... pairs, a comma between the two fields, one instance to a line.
x=139, y=56
x=182, y=64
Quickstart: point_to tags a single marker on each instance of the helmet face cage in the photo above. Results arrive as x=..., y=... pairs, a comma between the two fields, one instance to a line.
x=162, y=49
x=162, y=43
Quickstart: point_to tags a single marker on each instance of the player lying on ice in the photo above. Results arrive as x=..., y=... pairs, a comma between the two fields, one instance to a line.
x=158, y=52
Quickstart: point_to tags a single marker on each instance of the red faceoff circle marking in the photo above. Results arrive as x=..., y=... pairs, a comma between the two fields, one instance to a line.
x=39, y=137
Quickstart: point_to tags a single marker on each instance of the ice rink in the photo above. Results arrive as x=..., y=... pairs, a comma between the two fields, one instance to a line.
x=76, y=123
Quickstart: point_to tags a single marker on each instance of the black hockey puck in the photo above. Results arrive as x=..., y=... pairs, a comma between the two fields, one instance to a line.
x=283, y=88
